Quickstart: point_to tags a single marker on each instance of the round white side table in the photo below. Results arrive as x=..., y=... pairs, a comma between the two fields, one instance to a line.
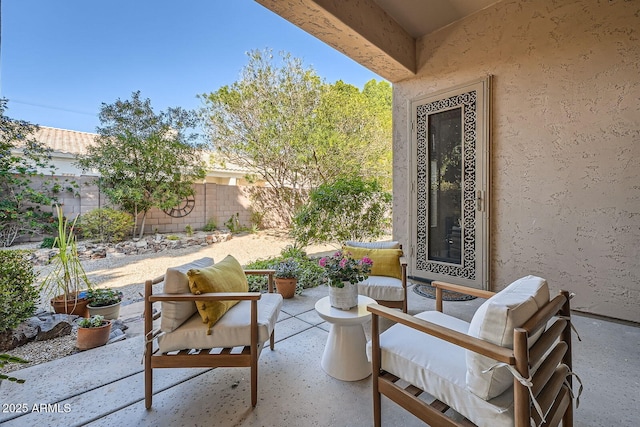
x=345, y=356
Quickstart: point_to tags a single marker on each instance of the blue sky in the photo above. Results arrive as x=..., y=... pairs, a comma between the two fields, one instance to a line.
x=60, y=60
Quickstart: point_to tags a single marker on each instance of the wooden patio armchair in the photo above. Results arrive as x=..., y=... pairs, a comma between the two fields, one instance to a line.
x=488, y=378
x=183, y=340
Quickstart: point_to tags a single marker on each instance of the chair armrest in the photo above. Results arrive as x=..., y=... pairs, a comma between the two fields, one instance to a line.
x=480, y=293
x=270, y=273
x=403, y=261
x=263, y=272
x=211, y=296
x=477, y=345
x=457, y=288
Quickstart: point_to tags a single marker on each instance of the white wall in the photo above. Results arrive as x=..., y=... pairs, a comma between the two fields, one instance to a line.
x=565, y=148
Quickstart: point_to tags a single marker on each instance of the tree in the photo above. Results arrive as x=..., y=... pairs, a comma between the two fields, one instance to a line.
x=145, y=159
x=352, y=133
x=24, y=187
x=262, y=123
x=347, y=209
x=281, y=121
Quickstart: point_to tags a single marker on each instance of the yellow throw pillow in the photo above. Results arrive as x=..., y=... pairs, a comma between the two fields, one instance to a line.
x=385, y=261
x=225, y=276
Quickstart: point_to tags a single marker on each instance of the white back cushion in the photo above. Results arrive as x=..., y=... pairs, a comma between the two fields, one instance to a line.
x=176, y=281
x=374, y=245
x=494, y=322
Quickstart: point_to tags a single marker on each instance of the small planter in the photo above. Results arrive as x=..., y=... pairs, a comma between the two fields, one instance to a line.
x=343, y=298
x=111, y=312
x=93, y=337
x=286, y=287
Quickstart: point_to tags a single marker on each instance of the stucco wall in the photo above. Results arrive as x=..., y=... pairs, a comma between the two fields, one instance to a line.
x=565, y=152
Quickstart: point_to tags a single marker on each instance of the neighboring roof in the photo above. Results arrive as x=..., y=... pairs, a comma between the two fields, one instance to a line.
x=65, y=141
x=73, y=142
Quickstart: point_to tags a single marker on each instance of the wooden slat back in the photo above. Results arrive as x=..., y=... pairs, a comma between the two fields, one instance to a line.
x=546, y=341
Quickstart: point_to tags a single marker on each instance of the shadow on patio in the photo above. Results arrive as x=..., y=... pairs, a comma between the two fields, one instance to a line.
x=105, y=387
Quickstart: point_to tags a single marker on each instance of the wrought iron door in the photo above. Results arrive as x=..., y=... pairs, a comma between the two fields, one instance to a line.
x=449, y=163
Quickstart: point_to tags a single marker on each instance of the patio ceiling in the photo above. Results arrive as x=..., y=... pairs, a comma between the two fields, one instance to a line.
x=379, y=34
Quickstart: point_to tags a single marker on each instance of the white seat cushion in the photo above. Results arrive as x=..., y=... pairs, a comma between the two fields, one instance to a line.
x=439, y=368
x=382, y=288
x=232, y=330
x=176, y=281
x=494, y=321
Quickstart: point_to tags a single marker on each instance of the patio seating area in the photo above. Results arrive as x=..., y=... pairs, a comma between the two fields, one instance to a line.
x=105, y=386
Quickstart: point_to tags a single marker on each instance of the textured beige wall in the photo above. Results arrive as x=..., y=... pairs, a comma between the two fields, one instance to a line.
x=565, y=154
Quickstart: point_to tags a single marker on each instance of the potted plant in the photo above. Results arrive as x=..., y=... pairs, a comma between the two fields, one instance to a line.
x=343, y=273
x=93, y=332
x=105, y=302
x=286, y=274
x=67, y=278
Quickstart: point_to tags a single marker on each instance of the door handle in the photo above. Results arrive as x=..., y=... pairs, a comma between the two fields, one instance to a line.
x=479, y=200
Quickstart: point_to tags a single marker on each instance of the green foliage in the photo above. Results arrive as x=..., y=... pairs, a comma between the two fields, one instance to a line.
x=347, y=209
x=297, y=132
x=309, y=273
x=92, y=322
x=7, y=358
x=172, y=237
x=103, y=297
x=145, y=159
x=210, y=225
x=47, y=242
x=188, y=230
x=106, y=225
x=67, y=276
x=24, y=186
x=233, y=223
x=18, y=295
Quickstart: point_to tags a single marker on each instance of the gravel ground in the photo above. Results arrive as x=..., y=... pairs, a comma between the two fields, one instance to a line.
x=128, y=273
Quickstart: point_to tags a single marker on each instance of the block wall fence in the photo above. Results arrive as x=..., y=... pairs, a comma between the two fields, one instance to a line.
x=212, y=201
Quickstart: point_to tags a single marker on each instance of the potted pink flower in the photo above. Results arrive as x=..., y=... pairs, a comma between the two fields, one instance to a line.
x=343, y=273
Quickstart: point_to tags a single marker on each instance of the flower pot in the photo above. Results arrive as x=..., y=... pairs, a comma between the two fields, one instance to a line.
x=107, y=311
x=73, y=305
x=343, y=298
x=286, y=287
x=93, y=337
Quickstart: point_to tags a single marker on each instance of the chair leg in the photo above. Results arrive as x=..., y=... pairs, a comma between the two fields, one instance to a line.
x=375, y=370
x=254, y=383
x=148, y=385
x=272, y=340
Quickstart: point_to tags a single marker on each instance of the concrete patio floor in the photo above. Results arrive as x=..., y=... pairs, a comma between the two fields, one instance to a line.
x=104, y=386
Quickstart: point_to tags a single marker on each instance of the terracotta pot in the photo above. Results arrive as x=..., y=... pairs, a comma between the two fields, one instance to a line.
x=93, y=337
x=76, y=306
x=286, y=287
x=107, y=311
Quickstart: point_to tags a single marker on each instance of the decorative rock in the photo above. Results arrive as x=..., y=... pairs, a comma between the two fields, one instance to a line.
x=142, y=244
x=42, y=327
x=155, y=243
x=52, y=325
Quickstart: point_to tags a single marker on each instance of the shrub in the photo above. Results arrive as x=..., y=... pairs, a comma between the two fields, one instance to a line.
x=47, y=242
x=309, y=272
x=210, y=225
x=347, y=209
x=106, y=225
x=18, y=296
